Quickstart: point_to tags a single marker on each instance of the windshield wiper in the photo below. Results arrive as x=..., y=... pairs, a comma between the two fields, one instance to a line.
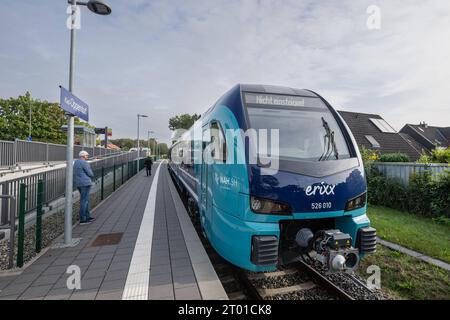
x=329, y=143
x=334, y=147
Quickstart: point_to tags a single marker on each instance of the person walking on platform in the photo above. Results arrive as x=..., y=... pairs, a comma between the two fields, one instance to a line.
x=148, y=165
x=83, y=176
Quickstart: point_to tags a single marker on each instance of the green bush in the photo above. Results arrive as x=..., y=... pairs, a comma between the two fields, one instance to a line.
x=368, y=156
x=424, y=196
x=386, y=192
x=424, y=158
x=394, y=157
x=420, y=193
x=440, y=155
x=437, y=156
x=440, y=201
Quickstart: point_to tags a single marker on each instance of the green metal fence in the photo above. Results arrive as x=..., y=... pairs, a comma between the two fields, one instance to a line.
x=49, y=217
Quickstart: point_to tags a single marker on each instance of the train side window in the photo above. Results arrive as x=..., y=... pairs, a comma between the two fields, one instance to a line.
x=219, y=151
x=191, y=154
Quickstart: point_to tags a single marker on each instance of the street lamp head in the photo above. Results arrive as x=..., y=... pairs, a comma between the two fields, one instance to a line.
x=99, y=7
x=142, y=116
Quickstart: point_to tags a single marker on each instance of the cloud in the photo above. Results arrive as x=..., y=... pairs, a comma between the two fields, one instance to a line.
x=168, y=57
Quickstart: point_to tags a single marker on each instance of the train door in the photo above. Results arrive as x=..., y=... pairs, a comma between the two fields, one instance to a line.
x=203, y=201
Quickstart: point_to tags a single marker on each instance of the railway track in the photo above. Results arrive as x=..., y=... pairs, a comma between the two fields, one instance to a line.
x=299, y=281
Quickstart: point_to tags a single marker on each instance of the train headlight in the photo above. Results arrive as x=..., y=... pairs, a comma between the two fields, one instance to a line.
x=356, y=203
x=265, y=206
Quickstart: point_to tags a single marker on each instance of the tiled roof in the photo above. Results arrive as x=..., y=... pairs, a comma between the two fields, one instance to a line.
x=415, y=144
x=361, y=126
x=428, y=136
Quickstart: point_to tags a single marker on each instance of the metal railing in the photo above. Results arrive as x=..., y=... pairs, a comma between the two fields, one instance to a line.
x=6, y=153
x=403, y=171
x=30, y=194
x=21, y=151
x=54, y=181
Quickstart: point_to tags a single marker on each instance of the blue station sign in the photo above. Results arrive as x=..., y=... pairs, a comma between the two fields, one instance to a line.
x=74, y=105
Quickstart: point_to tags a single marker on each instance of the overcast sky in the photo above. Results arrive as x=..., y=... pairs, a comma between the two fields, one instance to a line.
x=165, y=57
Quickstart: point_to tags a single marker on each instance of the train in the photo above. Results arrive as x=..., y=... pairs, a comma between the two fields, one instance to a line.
x=272, y=175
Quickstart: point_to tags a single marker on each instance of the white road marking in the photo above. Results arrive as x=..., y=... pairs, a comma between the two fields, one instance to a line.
x=137, y=284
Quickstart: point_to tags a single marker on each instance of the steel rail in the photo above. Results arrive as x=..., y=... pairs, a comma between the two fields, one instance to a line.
x=323, y=281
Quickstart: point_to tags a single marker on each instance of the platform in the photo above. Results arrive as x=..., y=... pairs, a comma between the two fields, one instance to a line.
x=141, y=246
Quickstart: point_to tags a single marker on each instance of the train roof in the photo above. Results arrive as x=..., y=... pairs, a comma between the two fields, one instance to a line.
x=269, y=89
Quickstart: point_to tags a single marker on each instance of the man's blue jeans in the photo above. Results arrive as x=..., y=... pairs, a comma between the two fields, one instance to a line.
x=84, y=203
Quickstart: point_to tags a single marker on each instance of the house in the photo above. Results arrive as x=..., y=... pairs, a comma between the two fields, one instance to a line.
x=427, y=137
x=371, y=131
x=112, y=146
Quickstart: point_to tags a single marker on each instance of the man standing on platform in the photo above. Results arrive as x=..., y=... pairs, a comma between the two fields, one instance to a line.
x=83, y=176
x=148, y=165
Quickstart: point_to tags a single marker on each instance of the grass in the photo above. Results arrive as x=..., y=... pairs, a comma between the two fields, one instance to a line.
x=405, y=277
x=417, y=233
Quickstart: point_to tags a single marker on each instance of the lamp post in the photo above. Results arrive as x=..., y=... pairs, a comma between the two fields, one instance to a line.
x=138, y=144
x=29, y=130
x=101, y=8
x=149, y=141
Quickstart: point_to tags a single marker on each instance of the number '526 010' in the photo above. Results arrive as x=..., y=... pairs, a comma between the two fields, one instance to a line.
x=321, y=205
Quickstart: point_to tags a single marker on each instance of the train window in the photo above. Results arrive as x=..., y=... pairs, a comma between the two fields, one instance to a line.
x=307, y=132
x=219, y=150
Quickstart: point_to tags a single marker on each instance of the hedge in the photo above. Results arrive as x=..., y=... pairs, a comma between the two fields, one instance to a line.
x=424, y=195
x=394, y=157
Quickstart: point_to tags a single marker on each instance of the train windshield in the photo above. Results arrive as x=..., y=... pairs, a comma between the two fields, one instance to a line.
x=307, y=129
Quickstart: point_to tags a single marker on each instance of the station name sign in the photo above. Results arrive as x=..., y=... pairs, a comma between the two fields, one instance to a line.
x=274, y=100
x=73, y=105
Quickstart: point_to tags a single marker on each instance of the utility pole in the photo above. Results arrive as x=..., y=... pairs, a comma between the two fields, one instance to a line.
x=70, y=132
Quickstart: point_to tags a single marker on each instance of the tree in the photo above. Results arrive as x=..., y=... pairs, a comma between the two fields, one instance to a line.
x=183, y=121
x=162, y=149
x=46, y=119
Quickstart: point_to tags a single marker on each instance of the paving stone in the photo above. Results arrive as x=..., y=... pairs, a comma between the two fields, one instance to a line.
x=14, y=289
x=83, y=264
x=46, y=280
x=116, y=275
x=37, y=267
x=55, y=270
x=187, y=293
x=122, y=258
x=102, y=265
x=27, y=277
x=91, y=283
x=155, y=270
x=109, y=296
x=94, y=273
x=160, y=279
x=4, y=282
x=112, y=286
x=86, y=255
x=13, y=297
x=35, y=292
x=160, y=291
x=119, y=266
x=83, y=295
x=59, y=294
x=180, y=263
x=63, y=261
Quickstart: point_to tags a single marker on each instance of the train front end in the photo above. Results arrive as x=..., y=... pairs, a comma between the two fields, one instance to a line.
x=312, y=203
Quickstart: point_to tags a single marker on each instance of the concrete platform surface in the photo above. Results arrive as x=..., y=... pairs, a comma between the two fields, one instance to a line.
x=141, y=246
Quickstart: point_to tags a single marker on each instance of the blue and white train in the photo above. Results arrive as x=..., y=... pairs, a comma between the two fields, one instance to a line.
x=257, y=216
